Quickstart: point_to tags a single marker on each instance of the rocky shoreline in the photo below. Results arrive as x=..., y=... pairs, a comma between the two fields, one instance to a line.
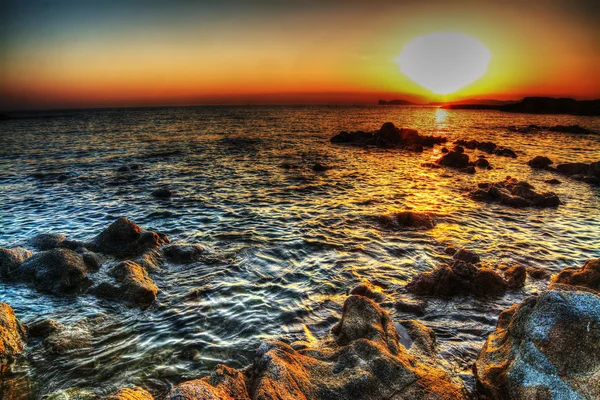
x=367, y=354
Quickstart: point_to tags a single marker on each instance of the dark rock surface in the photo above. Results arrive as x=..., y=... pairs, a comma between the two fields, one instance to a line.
x=183, y=253
x=546, y=347
x=540, y=162
x=163, y=193
x=586, y=276
x=589, y=173
x=12, y=337
x=132, y=284
x=11, y=259
x=407, y=219
x=514, y=193
x=389, y=136
x=124, y=238
x=539, y=105
x=455, y=158
x=367, y=289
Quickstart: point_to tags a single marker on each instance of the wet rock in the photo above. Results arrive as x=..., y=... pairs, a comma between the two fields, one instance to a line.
x=389, y=136
x=482, y=163
x=553, y=181
x=487, y=147
x=124, y=238
x=570, y=129
x=537, y=273
x=12, y=337
x=416, y=148
x=183, y=254
x=545, y=347
x=411, y=307
x=358, y=137
x=43, y=328
x=134, y=393
x=488, y=283
x=450, y=250
x=223, y=383
x=540, y=162
x=577, y=168
x=445, y=150
x=11, y=259
x=515, y=276
x=468, y=256
x=420, y=341
x=62, y=339
x=586, y=276
x=514, y=193
x=317, y=167
x=56, y=271
x=92, y=260
x=150, y=261
x=505, y=152
x=454, y=159
x=458, y=149
x=47, y=241
x=469, y=170
x=407, y=219
x=367, y=289
x=162, y=193
x=133, y=285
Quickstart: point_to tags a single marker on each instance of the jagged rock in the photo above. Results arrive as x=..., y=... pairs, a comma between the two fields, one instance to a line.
x=407, y=219
x=134, y=393
x=546, y=347
x=133, y=285
x=60, y=339
x=468, y=256
x=537, y=273
x=367, y=289
x=514, y=193
x=12, y=337
x=55, y=271
x=389, y=136
x=183, y=254
x=124, y=238
x=361, y=357
x=224, y=383
x=540, y=162
x=11, y=259
x=151, y=260
x=515, y=276
x=587, y=276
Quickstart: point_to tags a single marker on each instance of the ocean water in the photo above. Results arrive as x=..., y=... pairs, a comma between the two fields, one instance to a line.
x=285, y=245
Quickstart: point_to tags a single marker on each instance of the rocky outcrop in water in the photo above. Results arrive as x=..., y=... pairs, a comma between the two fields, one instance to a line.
x=514, y=193
x=539, y=105
x=124, y=238
x=11, y=259
x=134, y=393
x=389, y=136
x=547, y=347
x=49, y=241
x=589, y=173
x=362, y=355
x=487, y=147
x=132, y=284
x=12, y=337
x=540, y=162
x=586, y=276
x=455, y=158
x=183, y=253
x=163, y=193
x=57, y=271
x=407, y=219
x=576, y=129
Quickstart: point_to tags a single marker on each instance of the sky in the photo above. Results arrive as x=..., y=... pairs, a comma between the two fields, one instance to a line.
x=72, y=54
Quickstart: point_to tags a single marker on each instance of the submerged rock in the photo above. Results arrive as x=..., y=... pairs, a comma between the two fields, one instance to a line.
x=407, y=219
x=455, y=159
x=362, y=356
x=183, y=254
x=540, y=162
x=488, y=147
x=134, y=393
x=133, y=285
x=162, y=193
x=586, y=276
x=514, y=193
x=124, y=238
x=389, y=136
x=546, y=347
x=12, y=337
x=318, y=167
x=56, y=271
x=505, y=151
x=11, y=259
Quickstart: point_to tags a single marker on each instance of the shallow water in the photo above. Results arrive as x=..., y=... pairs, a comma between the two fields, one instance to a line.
x=287, y=245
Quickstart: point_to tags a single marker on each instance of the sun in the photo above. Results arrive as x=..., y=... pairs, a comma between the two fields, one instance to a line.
x=444, y=62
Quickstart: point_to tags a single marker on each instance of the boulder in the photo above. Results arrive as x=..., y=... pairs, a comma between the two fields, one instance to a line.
x=11, y=259
x=586, y=276
x=367, y=289
x=515, y=276
x=318, y=167
x=547, y=347
x=43, y=328
x=487, y=147
x=454, y=159
x=576, y=168
x=468, y=256
x=56, y=271
x=411, y=307
x=12, y=337
x=183, y=254
x=514, y=193
x=570, y=129
x=505, y=151
x=407, y=219
x=537, y=273
x=124, y=238
x=132, y=284
x=539, y=162
x=163, y=193
x=488, y=283
x=482, y=163
x=389, y=136
x=134, y=393
x=224, y=383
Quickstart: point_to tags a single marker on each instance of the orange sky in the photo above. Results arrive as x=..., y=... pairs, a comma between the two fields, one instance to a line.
x=105, y=54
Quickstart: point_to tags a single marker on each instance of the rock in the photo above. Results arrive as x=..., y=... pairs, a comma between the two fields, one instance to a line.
x=56, y=271
x=133, y=285
x=482, y=163
x=540, y=162
x=444, y=150
x=488, y=147
x=62, y=339
x=469, y=170
x=224, y=383
x=514, y=193
x=537, y=273
x=135, y=393
x=450, y=250
x=515, y=276
x=546, y=347
x=43, y=328
x=162, y=193
x=124, y=168
x=587, y=276
x=389, y=136
x=407, y=219
x=454, y=159
x=367, y=289
x=183, y=254
x=570, y=129
x=417, y=148
x=577, y=168
x=458, y=149
x=92, y=260
x=317, y=167
x=12, y=337
x=124, y=238
x=47, y=241
x=506, y=152
x=11, y=259
x=412, y=307
x=468, y=256
x=553, y=181
x=549, y=105
x=488, y=283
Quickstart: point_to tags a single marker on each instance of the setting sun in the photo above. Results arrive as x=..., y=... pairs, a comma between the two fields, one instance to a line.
x=444, y=62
